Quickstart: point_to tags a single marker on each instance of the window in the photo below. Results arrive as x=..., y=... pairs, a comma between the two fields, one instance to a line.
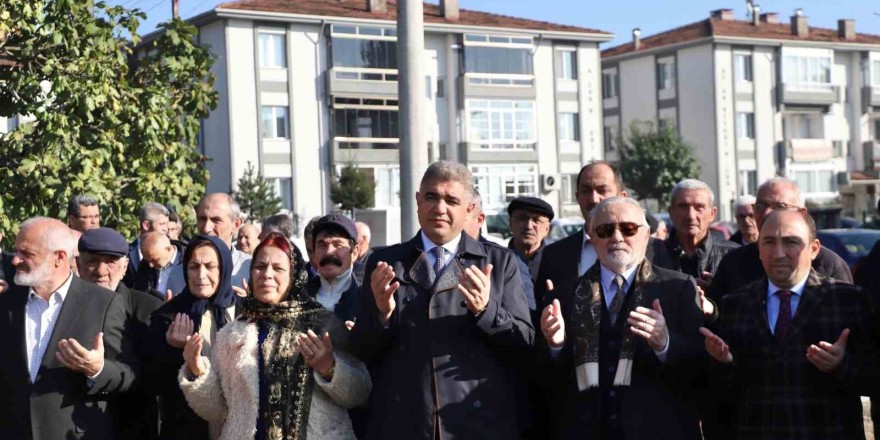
x=569, y=127
x=272, y=50
x=816, y=181
x=506, y=125
x=364, y=54
x=742, y=64
x=569, y=188
x=365, y=123
x=807, y=72
x=499, y=60
x=667, y=123
x=609, y=84
x=284, y=191
x=275, y=122
x=568, y=64
x=875, y=73
x=745, y=125
x=500, y=184
x=749, y=182
x=610, y=138
x=666, y=74
x=877, y=130
x=801, y=125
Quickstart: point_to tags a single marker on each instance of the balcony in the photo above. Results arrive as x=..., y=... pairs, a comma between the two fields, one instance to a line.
x=498, y=86
x=871, y=99
x=808, y=94
x=811, y=150
x=365, y=150
x=362, y=82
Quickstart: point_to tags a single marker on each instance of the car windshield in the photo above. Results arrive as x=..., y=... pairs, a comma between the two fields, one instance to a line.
x=859, y=243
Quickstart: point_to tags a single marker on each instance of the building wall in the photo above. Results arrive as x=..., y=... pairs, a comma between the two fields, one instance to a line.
x=546, y=118
x=638, y=91
x=768, y=130
x=244, y=119
x=217, y=127
x=719, y=172
x=590, y=99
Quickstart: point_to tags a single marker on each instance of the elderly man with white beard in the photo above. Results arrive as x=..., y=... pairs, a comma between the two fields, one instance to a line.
x=623, y=340
x=64, y=359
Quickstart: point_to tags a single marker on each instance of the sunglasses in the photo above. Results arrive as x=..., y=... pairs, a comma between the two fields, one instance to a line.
x=628, y=229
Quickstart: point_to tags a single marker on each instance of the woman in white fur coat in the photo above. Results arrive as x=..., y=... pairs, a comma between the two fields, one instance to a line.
x=269, y=375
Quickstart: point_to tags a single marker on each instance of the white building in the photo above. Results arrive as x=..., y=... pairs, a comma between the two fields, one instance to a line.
x=757, y=98
x=307, y=86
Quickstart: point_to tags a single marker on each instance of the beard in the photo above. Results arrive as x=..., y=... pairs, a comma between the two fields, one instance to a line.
x=620, y=258
x=35, y=276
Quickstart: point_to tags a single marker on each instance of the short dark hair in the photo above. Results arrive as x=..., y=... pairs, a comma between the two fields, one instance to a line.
x=281, y=223
x=310, y=226
x=79, y=200
x=808, y=219
x=618, y=178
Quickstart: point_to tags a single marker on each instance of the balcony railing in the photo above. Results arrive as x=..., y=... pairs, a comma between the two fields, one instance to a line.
x=871, y=98
x=810, y=94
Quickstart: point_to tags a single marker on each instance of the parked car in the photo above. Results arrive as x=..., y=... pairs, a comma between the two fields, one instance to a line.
x=563, y=227
x=851, y=244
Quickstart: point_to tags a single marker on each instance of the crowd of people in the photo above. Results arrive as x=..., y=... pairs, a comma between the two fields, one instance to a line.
x=617, y=331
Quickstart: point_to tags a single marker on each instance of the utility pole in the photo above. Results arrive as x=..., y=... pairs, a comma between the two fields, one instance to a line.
x=410, y=91
x=175, y=9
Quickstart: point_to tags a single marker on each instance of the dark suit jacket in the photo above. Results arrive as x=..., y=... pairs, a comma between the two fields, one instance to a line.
x=436, y=360
x=138, y=410
x=134, y=259
x=742, y=266
x=658, y=404
x=60, y=404
x=347, y=307
x=780, y=394
x=560, y=261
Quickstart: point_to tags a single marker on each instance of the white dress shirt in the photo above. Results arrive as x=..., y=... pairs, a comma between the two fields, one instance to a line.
x=40, y=318
x=773, y=301
x=450, y=247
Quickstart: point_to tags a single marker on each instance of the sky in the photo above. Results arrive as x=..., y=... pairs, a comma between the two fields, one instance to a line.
x=618, y=17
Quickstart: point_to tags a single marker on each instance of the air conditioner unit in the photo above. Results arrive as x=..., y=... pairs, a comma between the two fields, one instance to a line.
x=550, y=182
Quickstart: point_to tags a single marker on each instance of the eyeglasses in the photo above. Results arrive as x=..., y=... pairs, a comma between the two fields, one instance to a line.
x=628, y=229
x=745, y=216
x=764, y=206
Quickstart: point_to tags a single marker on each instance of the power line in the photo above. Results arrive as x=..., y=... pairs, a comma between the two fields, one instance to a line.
x=195, y=8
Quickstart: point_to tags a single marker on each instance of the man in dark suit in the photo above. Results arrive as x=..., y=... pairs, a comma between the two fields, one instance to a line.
x=335, y=287
x=444, y=325
x=102, y=261
x=567, y=259
x=797, y=348
x=742, y=266
x=53, y=386
x=622, y=340
x=530, y=219
x=159, y=272
x=153, y=217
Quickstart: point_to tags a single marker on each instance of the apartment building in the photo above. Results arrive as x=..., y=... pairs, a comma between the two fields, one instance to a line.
x=308, y=86
x=757, y=98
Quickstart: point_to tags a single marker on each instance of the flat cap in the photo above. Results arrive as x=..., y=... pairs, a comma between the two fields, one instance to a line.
x=336, y=221
x=105, y=241
x=532, y=204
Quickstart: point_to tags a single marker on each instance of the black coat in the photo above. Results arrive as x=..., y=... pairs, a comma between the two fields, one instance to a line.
x=742, y=266
x=709, y=255
x=658, y=404
x=347, y=307
x=780, y=394
x=138, y=407
x=435, y=358
x=60, y=404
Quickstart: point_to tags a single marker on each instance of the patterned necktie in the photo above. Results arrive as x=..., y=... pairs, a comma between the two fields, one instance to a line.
x=439, y=260
x=783, y=320
x=617, y=302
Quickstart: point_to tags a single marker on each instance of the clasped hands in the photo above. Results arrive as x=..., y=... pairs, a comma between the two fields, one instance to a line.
x=475, y=285
x=649, y=324
x=826, y=357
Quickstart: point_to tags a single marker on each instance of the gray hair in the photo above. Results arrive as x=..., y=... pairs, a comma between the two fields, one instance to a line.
x=448, y=171
x=616, y=200
x=280, y=223
x=363, y=230
x=150, y=210
x=692, y=184
x=743, y=201
x=784, y=181
x=56, y=238
x=234, y=207
x=80, y=200
x=477, y=200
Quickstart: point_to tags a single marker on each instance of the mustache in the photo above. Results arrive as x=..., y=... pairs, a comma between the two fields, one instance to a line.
x=330, y=259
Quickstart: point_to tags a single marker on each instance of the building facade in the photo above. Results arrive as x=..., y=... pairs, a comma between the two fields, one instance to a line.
x=756, y=99
x=307, y=87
